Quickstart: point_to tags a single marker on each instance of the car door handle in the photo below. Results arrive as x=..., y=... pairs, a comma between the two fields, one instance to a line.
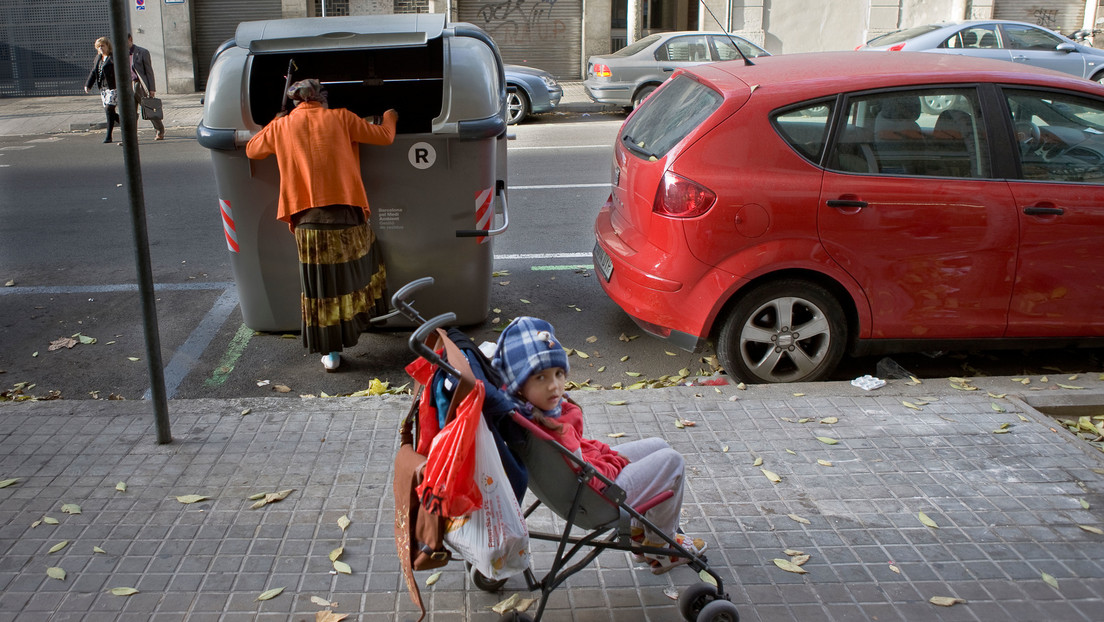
x=845, y=203
x=1044, y=211
x=667, y=69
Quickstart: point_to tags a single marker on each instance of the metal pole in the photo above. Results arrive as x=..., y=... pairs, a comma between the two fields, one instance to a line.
x=128, y=113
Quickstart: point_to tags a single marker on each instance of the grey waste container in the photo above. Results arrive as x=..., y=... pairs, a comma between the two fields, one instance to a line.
x=438, y=194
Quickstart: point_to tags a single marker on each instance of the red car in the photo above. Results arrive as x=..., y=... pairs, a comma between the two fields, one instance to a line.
x=807, y=207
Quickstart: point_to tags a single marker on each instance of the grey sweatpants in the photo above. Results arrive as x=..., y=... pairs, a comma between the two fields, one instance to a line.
x=653, y=468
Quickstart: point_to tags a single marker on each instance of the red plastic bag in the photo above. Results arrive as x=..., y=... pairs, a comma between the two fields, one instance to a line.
x=449, y=487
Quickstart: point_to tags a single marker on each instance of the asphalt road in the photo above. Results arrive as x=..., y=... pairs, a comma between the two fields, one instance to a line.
x=66, y=247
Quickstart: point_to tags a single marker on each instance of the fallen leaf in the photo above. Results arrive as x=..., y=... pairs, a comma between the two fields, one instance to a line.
x=671, y=592
x=506, y=605
x=581, y=354
x=272, y=497
x=894, y=568
x=911, y=405
x=123, y=591
x=57, y=547
x=1084, y=503
x=336, y=553
x=8, y=482
x=187, y=499
x=97, y=549
x=61, y=342
x=927, y=521
x=616, y=435
x=1050, y=580
x=270, y=594
x=1069, y=386
x=669, y=353
x=133, y=359
x=758, y=462
x=50, y=520
x=798, y=519
x=329, y=616
x=344, y=522
x=829, y=420
x=433, y=578
x=789, y=566
x=9, y=283
x=997, y=407
x=71, y=508
x=1089, y=528
x=827, y=440
x=799, y=395
x=771, y=475
x=617, y=402
x=708, y=578
x=322, y=602
x=281, y=388
x=800, y=560
x=55, y=573
x=945, y=601
x=121, y=486
x=246, y=411
x=996, y=396
x=824, y=463
x=342, y=567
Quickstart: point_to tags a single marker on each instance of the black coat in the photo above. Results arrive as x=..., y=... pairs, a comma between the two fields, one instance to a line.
x=103, y=74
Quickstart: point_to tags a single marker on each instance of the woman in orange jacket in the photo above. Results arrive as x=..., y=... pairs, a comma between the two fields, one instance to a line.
x=323, y=201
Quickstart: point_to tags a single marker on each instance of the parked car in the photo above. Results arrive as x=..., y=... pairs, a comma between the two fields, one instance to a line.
x=806, y=207
x=1018, y=42
x=529, y=91
x=630, y=74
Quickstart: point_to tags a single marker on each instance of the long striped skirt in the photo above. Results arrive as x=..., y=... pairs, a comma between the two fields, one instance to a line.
x=343, y=279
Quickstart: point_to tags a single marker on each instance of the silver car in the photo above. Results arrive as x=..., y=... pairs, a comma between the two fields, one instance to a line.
x=630, y=74
x=1018, y=42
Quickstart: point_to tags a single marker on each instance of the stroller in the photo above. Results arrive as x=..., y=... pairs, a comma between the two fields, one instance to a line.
x=561, y=482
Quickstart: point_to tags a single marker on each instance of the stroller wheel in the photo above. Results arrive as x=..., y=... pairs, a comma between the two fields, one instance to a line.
x=719, y=611
x=694, y=599
x=483, y=583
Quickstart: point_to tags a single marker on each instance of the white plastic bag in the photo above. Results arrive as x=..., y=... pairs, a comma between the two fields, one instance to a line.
x=493, y=538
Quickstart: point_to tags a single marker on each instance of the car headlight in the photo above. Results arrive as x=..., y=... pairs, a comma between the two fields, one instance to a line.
x=549, y=81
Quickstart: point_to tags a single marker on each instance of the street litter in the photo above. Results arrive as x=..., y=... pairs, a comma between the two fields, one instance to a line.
x=868, y=382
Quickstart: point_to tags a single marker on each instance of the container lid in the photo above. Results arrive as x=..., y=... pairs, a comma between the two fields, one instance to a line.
x=344, y=33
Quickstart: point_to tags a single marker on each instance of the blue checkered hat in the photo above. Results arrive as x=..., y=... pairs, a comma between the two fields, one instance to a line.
x=527, y=345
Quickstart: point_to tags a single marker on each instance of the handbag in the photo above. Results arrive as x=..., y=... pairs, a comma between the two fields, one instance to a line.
x=420, y=534
x=151, y=109
x=109, y=97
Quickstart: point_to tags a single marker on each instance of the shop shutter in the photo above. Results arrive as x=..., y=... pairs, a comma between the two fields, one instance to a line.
x=214, y=22
x=46, y=47
x=546, y=35
x=1064, y=16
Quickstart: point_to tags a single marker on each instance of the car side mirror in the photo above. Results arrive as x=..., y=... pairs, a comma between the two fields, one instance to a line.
x=1066, y=47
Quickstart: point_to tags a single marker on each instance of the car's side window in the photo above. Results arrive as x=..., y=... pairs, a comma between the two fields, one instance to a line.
x=727, y=51
x=806, y=128
x=1027, y=38
x=971, y=38
x=685, y=49
x=1060, y=136
x=931, y=132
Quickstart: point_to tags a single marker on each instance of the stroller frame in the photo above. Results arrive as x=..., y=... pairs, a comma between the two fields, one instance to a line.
x=604, y=514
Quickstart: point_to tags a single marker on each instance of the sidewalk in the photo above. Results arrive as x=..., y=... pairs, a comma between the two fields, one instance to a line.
x=24, y=116
x=1009, y=507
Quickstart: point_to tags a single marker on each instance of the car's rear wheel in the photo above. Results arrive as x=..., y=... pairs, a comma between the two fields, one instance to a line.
x=786, y=331
x=642, y=94
x=517, y=106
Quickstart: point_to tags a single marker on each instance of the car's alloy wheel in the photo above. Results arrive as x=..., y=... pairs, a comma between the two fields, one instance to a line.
x=642, y=94
x=787, y=331
x=517, y=106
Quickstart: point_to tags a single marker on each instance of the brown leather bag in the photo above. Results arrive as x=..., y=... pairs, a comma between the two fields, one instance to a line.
x=420, y=534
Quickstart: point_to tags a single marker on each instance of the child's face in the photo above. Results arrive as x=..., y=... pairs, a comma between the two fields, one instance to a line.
x=545, y=388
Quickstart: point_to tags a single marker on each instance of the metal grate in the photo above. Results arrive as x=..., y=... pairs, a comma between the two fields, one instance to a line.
x=46, y=48
x=334, y=8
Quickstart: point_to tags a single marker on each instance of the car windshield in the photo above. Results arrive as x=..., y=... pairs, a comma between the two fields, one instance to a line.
x=903, y=35
x=636, y=46
x=668, y=116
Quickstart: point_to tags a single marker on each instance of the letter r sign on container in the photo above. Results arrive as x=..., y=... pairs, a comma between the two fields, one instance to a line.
x=422, y=155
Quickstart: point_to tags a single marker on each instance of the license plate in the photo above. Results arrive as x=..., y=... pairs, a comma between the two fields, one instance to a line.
x=602, y=262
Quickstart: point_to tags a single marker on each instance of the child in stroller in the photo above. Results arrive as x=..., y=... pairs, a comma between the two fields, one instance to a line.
x=534, y=366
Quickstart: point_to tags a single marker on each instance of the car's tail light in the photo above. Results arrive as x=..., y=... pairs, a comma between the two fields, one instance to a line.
x=897, y=48
x=601, y=71
x=679, y=197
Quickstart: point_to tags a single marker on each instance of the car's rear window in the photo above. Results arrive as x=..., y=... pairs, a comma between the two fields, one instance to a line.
x=668, y=116
x=636, y=46
x=898, y=36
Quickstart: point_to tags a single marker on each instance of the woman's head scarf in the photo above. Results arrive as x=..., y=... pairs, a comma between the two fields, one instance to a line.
x=309, y=90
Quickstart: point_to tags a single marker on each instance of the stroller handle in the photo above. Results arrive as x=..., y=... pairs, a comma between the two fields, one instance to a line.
x=418, y=345
x=400, y=301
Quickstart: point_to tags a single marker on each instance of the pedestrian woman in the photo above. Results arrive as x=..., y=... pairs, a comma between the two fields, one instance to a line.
x=323, y=201
x=103, y=78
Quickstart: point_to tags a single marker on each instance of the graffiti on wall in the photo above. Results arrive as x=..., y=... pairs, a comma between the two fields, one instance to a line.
x=521, y=21
x=1047, y=18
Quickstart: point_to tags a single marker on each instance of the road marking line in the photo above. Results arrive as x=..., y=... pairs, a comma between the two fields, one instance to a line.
x=189, y=353
x=559, y=186
x=541, y=147
x=230, y=358
x=576, y=267
x=110, y=289
x=543, y=256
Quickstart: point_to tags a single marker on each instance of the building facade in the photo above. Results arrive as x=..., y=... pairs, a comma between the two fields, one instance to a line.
x=46, y=48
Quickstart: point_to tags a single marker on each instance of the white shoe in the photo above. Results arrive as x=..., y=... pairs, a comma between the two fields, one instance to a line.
x=331, y=361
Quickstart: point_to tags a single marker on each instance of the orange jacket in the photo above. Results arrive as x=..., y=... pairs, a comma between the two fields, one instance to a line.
x=318, y=156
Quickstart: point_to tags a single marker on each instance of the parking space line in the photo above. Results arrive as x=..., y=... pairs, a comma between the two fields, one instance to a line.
x=188, y=354
x=230, y=357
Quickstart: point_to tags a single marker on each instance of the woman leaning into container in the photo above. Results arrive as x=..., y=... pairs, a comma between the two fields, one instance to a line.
x=323, y=201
